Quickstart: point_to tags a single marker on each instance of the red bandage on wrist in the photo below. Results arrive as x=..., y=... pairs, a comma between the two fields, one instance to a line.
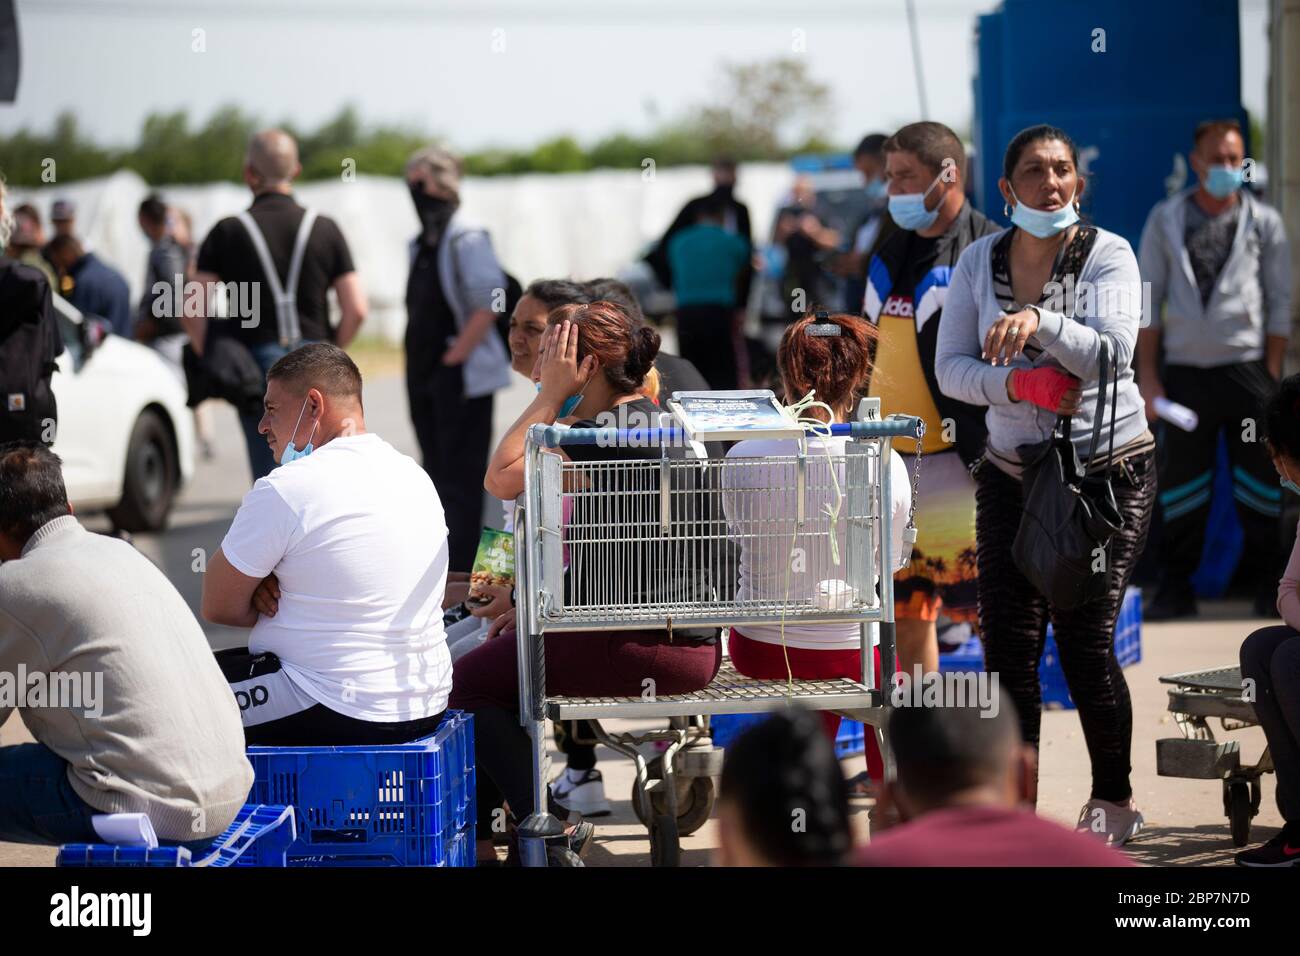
x=1044, y=387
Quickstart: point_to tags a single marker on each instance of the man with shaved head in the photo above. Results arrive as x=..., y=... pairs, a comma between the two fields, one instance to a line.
x=277, y=262
x=963, y=782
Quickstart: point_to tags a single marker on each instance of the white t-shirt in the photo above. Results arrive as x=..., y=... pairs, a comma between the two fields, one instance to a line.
x=356, y=535
x=764, y=563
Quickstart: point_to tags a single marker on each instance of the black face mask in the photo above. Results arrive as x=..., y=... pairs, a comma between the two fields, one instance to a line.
x=725, y=190
x=434, y=213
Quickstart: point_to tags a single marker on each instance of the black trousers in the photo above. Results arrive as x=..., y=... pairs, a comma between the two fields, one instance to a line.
x=1014, y=616
x=1271, y=658
x=1229, y=399
x=705, y=338
x=580, y=756
x=455, y=436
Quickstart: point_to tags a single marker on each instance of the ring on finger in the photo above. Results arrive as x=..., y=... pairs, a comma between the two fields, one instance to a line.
x=1013, y=331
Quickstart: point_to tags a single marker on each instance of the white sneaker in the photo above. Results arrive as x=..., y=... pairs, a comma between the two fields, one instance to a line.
x=582, y=791
x=1114, y=823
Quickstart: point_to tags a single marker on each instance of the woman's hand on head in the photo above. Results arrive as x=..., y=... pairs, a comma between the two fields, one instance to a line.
x=1007, y=337
x=559, y=370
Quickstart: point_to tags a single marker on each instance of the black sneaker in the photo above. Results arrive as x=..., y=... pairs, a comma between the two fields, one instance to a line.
x=1282, y=850
x=1172, y=600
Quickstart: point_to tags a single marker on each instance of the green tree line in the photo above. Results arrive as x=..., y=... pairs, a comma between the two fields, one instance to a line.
x=763, y=111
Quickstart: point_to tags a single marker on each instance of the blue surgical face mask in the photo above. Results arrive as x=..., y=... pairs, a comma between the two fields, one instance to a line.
x=1287, y=483
x=1043, y=224
x=1222, y=181
x=290, y=452
x=908, y=209
x=570, y=403
x=875, y=189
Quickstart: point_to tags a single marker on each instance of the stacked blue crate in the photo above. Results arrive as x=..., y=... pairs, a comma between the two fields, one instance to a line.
x=258, y=836
x=724, y=728
x=1128, y=649
x=398, y=805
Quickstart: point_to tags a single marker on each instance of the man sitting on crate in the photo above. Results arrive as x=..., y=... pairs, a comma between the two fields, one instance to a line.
x=111, y=674
x=337, y=560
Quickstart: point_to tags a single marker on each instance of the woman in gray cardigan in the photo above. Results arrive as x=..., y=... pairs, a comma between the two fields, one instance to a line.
x=1021, y=333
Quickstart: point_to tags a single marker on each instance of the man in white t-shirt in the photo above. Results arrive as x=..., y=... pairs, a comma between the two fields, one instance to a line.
x=338, y=561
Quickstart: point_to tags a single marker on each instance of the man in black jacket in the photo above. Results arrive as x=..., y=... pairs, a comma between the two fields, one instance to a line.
x=29, y=345
x=906, y=284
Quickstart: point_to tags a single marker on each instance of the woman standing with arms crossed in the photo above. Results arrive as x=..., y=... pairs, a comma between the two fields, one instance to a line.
x=1022, y=333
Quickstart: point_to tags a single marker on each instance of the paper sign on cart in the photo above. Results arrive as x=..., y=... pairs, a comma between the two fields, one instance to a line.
x=733, y=415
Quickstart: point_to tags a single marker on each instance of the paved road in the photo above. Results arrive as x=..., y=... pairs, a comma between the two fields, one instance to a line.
x=1184, y=817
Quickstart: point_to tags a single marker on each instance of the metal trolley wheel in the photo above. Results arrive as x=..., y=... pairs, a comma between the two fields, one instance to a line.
x=665, y=848
x=562, y=856
x=1240, y=802
x=694, y=801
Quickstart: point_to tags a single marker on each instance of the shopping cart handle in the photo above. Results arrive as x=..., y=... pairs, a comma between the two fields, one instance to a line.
x=893, y=426
x=549, y=436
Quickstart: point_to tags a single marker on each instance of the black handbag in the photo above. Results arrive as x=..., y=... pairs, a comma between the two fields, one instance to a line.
x=1063, y=543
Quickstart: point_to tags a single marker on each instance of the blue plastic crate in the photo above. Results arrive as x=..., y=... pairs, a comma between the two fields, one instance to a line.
x=258, y=836
x=724, y=728
x=851, y=740
x=1128, y=650
x=398, y=805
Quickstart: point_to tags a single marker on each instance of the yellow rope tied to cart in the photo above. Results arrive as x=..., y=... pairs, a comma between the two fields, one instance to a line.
x=821, y=429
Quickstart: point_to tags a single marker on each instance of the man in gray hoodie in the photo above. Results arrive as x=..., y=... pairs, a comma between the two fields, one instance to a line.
x=111, y=674
x=1217, y=261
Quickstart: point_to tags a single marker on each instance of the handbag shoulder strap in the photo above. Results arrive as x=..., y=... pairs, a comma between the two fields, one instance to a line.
x=1108, y=373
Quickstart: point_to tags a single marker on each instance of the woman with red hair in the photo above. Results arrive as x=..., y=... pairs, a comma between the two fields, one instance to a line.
x=829, y=360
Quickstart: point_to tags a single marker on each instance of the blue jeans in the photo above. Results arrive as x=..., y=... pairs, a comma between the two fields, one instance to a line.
x=260, y=457
x=38, y=804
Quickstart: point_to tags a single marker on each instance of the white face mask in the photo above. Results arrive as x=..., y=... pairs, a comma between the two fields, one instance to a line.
x=290, y=452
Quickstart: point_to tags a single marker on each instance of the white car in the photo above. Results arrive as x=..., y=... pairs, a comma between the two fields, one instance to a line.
x=124, y=432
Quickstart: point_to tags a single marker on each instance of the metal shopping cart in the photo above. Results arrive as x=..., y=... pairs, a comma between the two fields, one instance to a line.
x=664, y=534
x=1196, y=698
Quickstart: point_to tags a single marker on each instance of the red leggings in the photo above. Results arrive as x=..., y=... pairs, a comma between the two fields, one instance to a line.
x=764, y=661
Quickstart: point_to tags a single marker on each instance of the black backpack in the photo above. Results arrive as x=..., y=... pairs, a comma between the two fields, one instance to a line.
x=29, y=344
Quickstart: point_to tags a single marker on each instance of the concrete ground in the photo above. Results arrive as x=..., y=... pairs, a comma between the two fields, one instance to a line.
x=1185, y=821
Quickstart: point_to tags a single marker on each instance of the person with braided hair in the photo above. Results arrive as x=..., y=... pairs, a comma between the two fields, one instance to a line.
x=783, y=800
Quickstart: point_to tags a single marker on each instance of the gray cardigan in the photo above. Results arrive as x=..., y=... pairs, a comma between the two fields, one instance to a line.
x=472, y=279
x=1251, y=297
x=1107, y=301
x=164, y=737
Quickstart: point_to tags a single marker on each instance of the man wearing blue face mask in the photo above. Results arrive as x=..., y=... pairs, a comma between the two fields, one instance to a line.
x=337, y=560
x=1217, y=262
x=907, y=283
